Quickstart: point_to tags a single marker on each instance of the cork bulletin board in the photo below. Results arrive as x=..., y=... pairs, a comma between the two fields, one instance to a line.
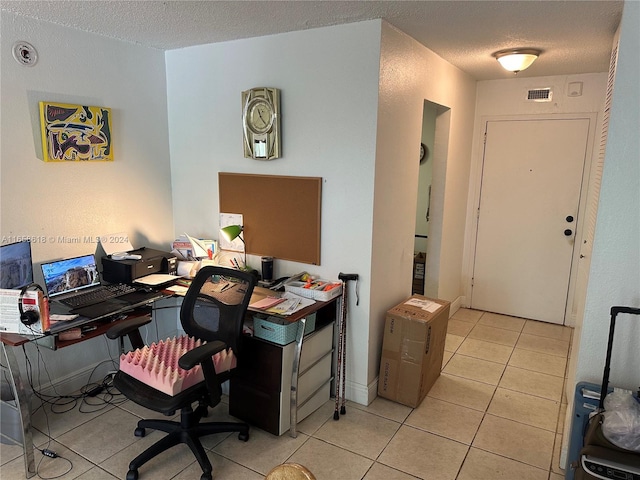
x=281, y=214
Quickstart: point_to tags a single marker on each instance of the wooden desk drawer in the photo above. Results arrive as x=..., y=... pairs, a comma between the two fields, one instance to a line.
x=260, y=363
x=255, y=405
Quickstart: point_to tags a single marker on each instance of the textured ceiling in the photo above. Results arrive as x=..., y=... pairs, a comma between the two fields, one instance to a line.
x=575, y=36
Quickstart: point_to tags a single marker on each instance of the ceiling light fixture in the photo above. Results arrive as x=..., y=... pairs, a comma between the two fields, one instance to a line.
x=517, y=59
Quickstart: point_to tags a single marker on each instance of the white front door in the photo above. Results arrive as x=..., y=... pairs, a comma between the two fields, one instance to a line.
x=531, y=181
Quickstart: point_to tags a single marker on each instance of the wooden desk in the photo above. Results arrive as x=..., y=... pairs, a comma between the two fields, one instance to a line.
x=22, y=391
x=276, y=385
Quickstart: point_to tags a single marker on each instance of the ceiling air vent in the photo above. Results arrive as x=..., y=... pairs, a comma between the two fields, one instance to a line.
x=539, y=95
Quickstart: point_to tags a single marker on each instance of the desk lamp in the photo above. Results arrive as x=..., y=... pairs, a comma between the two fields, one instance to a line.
x=231, y=232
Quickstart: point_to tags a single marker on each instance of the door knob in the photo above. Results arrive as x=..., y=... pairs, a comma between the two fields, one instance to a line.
x=568, y=232
x=569, y=218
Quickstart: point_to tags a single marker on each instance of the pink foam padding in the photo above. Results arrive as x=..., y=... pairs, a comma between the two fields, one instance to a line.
x=157, y=365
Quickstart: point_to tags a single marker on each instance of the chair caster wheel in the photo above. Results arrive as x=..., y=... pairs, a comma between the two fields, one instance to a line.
x=139, y=432
x=132, y=475
x=205, y=476
x=243, y=436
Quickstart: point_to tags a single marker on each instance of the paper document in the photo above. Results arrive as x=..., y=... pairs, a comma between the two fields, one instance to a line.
x=115, y=242
x=198, y=248
x=292, y=303
x=178, y=289
x=156, y=279
x=186, y=268
x=10, y=314
x=427, y=305
x=267, y=302
x=186, y=247
x=226, y=219
x=56, y=317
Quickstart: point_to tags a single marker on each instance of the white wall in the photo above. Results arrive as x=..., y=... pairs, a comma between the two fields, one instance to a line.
x=329, y=83
x=78, y=200
x=614, y=277
x=330, y=79
x=345, y=118
x=410, y=74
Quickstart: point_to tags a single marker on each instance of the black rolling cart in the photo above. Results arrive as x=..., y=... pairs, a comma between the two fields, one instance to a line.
x=599, y=458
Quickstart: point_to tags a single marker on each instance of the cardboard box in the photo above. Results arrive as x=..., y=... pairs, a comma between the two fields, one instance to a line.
x=412, y=349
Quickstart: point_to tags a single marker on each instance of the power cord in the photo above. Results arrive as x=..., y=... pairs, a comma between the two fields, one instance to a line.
x=110, y=396
x=46, y=453
x=49, y=453
x=68, y=402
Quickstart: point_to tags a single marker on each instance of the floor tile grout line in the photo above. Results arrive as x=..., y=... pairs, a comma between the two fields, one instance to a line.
x=403, y=421
x=516, y=343
x=485, y=413
x=511, y=459
x=479, y=358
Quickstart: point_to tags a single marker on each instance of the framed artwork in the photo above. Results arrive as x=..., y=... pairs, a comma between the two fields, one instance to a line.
x=72, y=133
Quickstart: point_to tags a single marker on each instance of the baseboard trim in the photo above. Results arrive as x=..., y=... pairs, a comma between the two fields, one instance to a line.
x=74, y=381
x=456, y=305
x=362, y=394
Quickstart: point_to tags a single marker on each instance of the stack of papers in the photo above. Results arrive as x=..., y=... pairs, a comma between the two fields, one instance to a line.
x=291, y=303
x=267, y=302
x=186, y=247
x=156, y=279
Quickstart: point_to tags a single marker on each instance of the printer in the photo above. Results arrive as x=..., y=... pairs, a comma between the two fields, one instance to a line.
x=137, y=264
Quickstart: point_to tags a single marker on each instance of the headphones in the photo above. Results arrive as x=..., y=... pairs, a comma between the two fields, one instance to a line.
x=28, y=317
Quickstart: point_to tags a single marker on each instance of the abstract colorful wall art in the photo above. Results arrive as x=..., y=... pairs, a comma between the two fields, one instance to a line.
x=72, y=133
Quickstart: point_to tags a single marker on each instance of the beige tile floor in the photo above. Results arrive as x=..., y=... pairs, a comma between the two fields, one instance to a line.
x=495, y=413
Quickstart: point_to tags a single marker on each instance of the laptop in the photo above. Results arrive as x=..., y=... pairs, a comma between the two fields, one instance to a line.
x=75, y=282
x=73, y=286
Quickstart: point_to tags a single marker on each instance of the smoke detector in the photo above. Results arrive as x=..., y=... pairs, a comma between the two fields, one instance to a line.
x=25, y=54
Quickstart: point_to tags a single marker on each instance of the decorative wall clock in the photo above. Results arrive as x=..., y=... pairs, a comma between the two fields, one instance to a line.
x=424, y=151
x=261, y=123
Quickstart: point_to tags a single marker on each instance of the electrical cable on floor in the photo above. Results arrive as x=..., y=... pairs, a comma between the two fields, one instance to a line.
x=97, y=395
x=69, y=402
x=50, y=454
x=46, y=452
x=88, y=396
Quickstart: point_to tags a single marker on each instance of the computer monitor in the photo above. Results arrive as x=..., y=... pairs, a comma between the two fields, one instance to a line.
x=16, y=265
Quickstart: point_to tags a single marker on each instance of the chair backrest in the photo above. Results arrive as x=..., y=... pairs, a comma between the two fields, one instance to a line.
x=215, y=304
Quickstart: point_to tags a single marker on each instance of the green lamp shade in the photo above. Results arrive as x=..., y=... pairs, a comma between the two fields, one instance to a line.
x=231, y=232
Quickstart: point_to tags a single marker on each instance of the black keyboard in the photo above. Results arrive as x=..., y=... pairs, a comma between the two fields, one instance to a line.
x=97, y=295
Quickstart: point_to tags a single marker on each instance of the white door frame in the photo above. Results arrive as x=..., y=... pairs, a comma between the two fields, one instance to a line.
x=475, y=182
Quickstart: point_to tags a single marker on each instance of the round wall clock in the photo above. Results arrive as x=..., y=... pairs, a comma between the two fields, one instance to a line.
x=423, y=152
x=261, y=123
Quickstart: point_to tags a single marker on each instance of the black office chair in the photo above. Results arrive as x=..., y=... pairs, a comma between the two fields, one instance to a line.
x=213, y=310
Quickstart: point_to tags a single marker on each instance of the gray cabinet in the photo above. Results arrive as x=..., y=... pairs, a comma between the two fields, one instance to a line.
x=261, y=391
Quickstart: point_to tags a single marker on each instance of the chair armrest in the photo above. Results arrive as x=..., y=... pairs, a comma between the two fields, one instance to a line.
x=127, y=326
x=203, y=355
x=200, y=354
